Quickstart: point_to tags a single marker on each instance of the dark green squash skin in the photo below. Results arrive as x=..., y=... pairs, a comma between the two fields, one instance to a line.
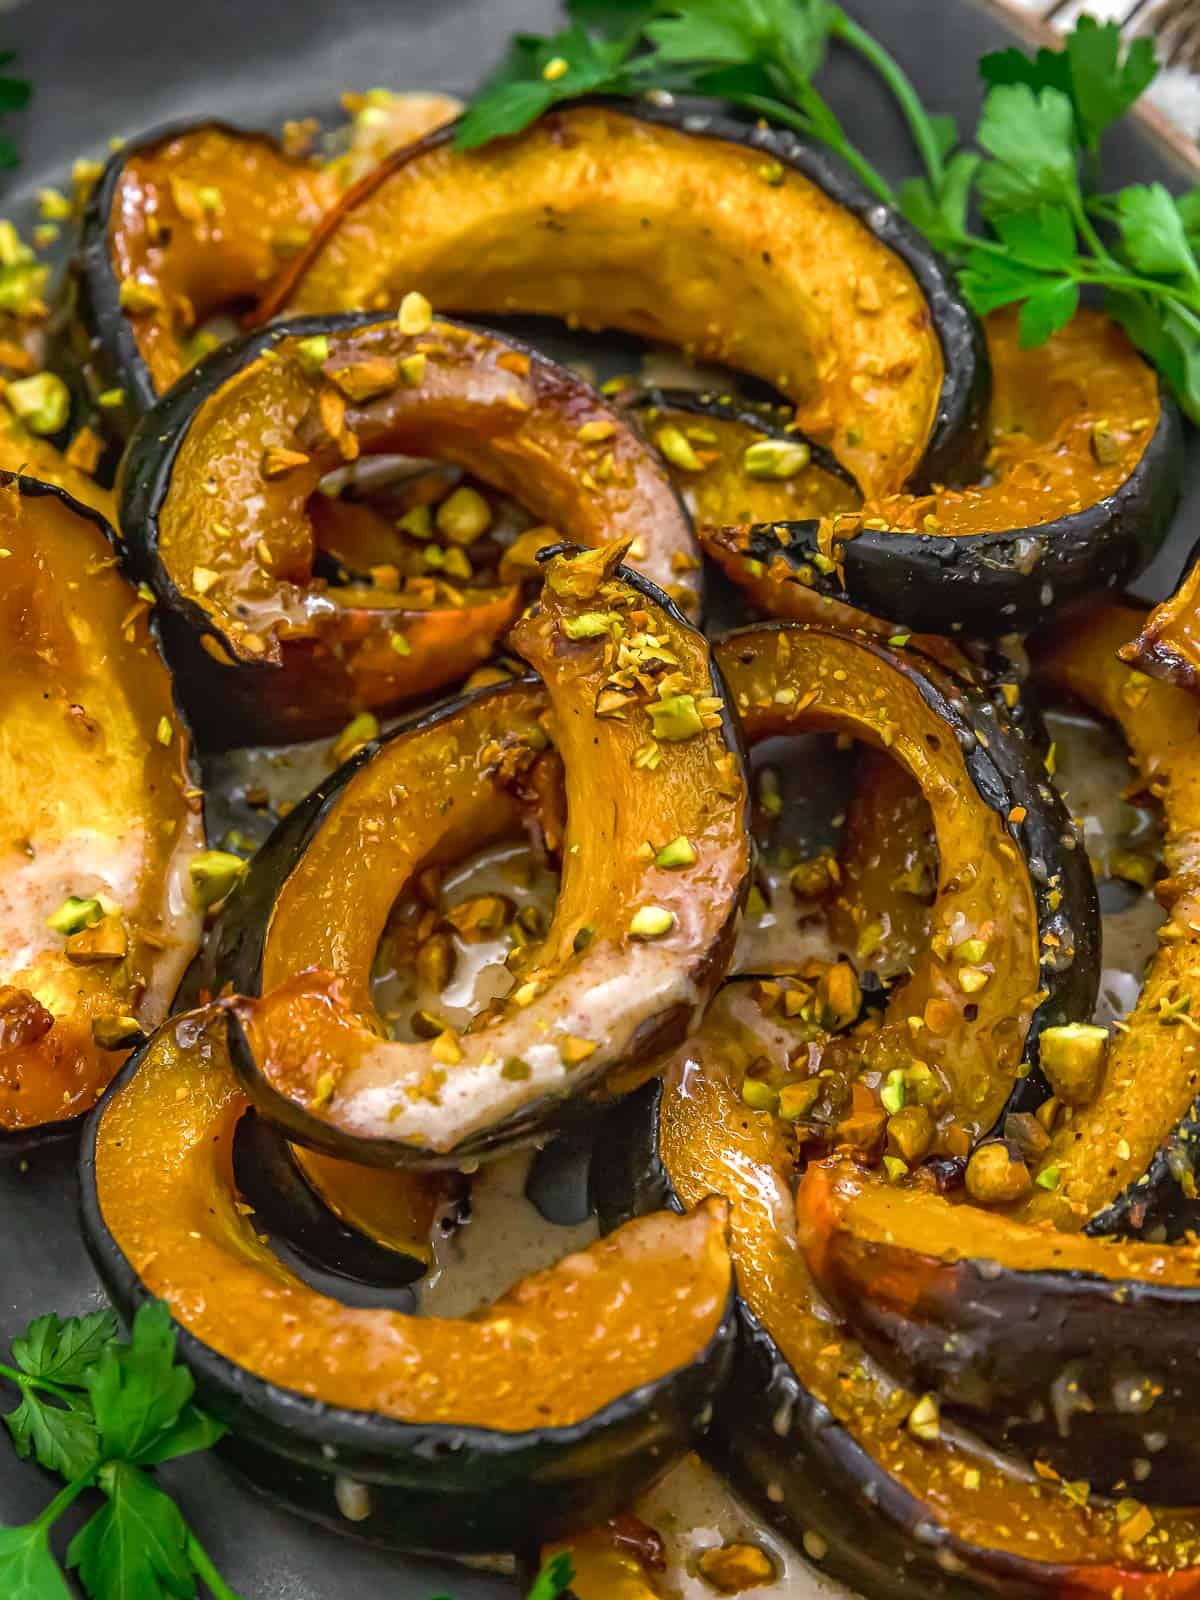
x=956, y=442
x=234, y=951
x=285, y=1201
x=1165, y=1202
x=1008, y=772
x=461, y=1490
x=1049, y=1363
x=992, y=583
x=20, y=1141
x=95, y=336
x=782, y=1449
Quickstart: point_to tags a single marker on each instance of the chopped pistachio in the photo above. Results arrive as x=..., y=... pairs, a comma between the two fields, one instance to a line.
x=213, y=874
x=75, y=914
x=679, y=853
x=203, y=579
x=733, y=1568
x=674, y=444
x=573, y=1050
x=313, y=352
x=400, y=644
x=101, y=941
x=840, y=996
x=772, y=173
x=479, y=918
x=1106, y=447
x=110, y=399
x=358, y=731
x=464, y=516
x=651, y=922
x=418, y=522
x=895, y=1167
x=910, y=1134
x=796, y=1100
x=582, y=939
x=412, y=369
x=676, y=718
x=596, y=431
x=590, y=624
x=42, y=402
x=924, y=1420
x=759, y=1096
x=1072, y=1057
x=972, y=951
x=138, y=296
x=899, y=640
x=367, y=379
x=446, y=1049
x=415, y=314
x=164, y=732
x=776, y=458
x=53, y=205
x=972, y=979
x=892, y=1094
x=515, y=1070
x=1048, y=1178
x=557, y=67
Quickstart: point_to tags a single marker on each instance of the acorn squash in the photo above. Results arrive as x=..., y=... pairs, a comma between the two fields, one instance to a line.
x=217, y=479
x=101, y=815
x=641, y=934
x=184, y=222
x=1084, y=474
x=820, y=1438
x=741, y=244
x=536, y=1416
x=1015, y=923
x=1167, y=644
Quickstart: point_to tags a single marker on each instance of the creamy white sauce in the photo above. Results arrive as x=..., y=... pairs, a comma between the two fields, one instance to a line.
x=35, y=880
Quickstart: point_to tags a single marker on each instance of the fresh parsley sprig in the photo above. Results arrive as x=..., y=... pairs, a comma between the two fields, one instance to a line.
x=103, y=1412
x=1030, y=172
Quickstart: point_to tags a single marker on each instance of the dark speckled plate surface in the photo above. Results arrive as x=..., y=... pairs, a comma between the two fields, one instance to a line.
x=108, y=67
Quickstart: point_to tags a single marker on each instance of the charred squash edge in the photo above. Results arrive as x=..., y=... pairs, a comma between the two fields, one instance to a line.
x=974, y=583
x=995, y=1339
x=292, y=1446
x=1007, y=772
x=956, y=441
x=18, y=1141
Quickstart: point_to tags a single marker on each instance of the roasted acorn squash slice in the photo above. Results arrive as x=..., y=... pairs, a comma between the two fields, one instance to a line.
x=1009, y=952
x=100, y=816
x=811, y=1429
x=1084, y=474
x=538, y=1415
x=1080, y=1353
x=183, y=223
x=216, y=481
x=641, y=932
x=1127, y=1160
x=741, y=244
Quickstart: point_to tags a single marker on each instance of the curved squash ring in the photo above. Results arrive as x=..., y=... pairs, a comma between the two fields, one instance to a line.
x=234, y=567
x=184, y=222
x=992, y=810
x=532, y=224
x=810, y=1428
x=634, y=948
x=542, y=1412
x=98, y=799
x=1086, y=468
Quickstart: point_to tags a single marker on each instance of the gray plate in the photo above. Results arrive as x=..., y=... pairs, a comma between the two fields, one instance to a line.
x=107, y=67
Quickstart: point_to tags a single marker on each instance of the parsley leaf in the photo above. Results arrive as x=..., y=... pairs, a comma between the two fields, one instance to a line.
x=27, y=1569
x=1154, y=232
x=59, y=1440
x=1046, y=311
x=1030, y=137
x=135, y=1546
x=62, y=1351
x=519, y=91
x=942, y=216
x=1044, y=238
x=137, y=1391
x=554, y=1579
x=1089, y=70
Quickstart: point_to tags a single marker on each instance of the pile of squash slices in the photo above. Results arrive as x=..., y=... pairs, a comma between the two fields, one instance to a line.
x=896, y=1235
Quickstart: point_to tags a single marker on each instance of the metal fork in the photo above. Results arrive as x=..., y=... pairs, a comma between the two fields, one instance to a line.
x=1174, y=24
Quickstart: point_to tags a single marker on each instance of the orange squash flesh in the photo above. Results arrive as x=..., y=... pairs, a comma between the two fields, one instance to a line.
x=1069, y=424
x=999, y=1521
x=1167, y=644
x=95, y=801
x=853, y=684
x=888, y=862
x=1107, y=1145
x=534, y=224
x=200, y=222
x=242, y=562
x=35, y=457
x=560, y=1346
x=603, y=990
x=396, y=1209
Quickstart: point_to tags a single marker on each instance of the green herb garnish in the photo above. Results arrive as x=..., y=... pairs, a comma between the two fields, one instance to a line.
x=103, y=1412
x=14, y=96
x=1030, y=169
